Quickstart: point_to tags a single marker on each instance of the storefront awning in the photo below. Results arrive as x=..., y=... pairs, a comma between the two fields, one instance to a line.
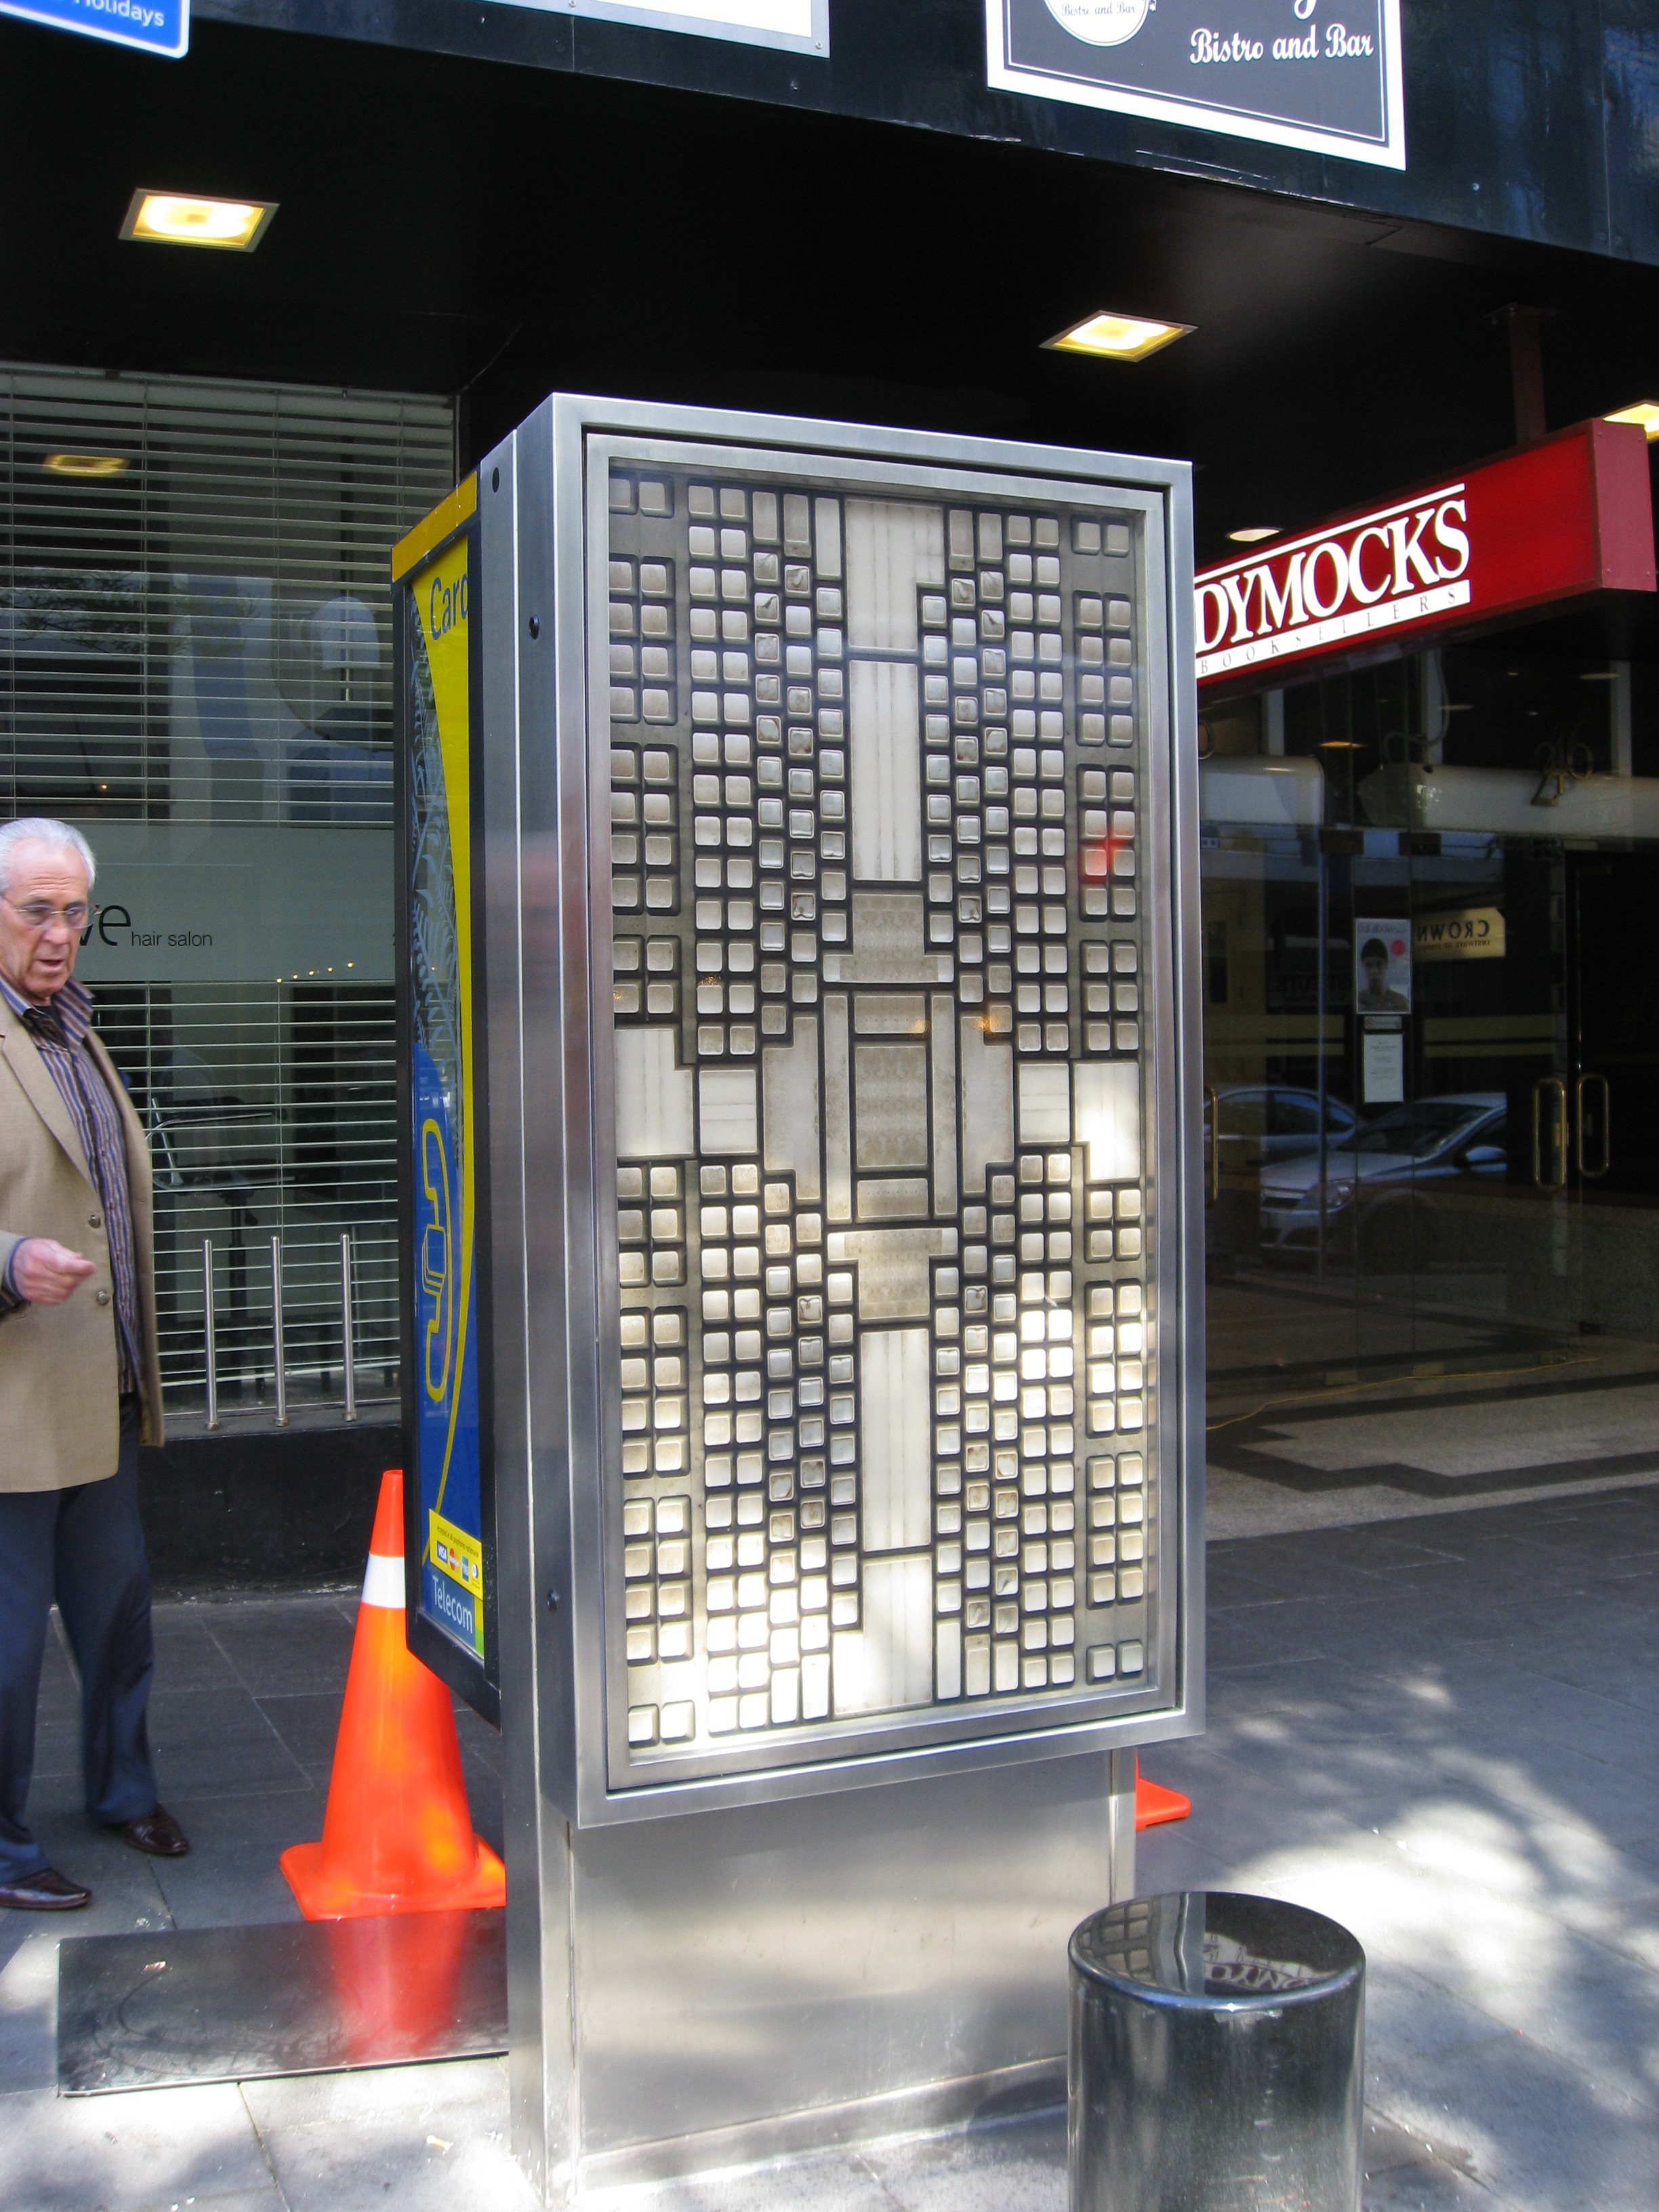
x=1555, y=524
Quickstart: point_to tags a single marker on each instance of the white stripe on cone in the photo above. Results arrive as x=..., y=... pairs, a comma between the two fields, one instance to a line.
x=383, y=1585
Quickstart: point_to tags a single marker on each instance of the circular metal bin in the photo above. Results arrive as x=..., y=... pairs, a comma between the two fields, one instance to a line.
x=1217, y=2057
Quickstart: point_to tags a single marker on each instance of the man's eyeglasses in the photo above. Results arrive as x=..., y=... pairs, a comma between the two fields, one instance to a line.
x=38, y=914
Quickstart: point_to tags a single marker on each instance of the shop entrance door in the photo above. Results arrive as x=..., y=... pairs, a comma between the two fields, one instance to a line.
x=1534, y=1182
x=1434, y=1176
x=1613, y=1104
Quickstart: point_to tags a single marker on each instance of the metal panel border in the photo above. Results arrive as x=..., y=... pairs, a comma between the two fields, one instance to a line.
x=566, y=1116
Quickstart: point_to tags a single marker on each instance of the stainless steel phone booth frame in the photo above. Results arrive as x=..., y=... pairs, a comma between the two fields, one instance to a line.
x=837, y=844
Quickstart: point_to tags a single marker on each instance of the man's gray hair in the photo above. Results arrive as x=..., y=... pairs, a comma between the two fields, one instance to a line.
x=56, y=837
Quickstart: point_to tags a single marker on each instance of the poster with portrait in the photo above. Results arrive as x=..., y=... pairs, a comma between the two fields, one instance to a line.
x=1381, y=965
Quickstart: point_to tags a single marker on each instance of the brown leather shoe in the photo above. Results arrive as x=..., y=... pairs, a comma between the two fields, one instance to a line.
x=45, y=1892
x=156, y=1832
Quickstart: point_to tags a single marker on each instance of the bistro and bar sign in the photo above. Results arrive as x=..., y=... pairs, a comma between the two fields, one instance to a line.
x=1556, y=521
x=1321, y=74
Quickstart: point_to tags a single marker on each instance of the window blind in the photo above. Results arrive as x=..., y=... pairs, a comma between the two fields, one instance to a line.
x=195, y=635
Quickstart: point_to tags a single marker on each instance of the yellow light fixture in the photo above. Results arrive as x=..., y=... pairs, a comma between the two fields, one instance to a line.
x=1255, y=535
x=1644, y=413
x=184, y=219
x=86, y=464
x=1116, y=338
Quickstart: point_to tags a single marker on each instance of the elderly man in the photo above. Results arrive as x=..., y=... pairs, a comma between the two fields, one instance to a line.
x=79, y=1376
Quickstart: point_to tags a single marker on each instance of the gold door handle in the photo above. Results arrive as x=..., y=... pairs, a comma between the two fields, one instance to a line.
x=1552, y=1087
x=1212, y=1100
x=1594, y=1174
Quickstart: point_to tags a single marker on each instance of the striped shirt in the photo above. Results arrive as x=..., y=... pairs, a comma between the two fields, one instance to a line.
x=58, y=1031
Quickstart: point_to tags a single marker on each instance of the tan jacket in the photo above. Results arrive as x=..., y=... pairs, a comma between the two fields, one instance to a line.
x=59, y=1367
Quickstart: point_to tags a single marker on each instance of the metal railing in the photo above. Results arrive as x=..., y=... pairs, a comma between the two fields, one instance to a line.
x=316, y=1372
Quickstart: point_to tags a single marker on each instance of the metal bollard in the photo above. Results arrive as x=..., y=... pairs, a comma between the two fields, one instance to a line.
x=207, y=1334
x=277, y=1330
x=348, y=1326
x=1217, y=2056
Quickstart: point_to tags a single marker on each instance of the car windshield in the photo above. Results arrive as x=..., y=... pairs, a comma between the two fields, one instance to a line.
x=1420, y=1129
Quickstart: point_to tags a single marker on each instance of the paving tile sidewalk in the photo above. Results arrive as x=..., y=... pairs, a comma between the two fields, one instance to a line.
x=242, y=1725
x=1444, y=1731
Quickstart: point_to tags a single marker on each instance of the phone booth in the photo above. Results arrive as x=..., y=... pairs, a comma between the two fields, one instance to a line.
x=804, y=1246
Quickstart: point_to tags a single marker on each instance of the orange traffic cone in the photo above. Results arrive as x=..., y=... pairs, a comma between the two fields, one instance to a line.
x=397, y=1835
x=1154, y=1804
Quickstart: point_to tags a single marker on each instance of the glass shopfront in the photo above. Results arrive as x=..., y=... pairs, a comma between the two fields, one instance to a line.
x=196, y=667
x=1431, y=1067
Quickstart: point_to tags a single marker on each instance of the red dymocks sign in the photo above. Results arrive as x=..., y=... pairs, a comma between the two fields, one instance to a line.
x=1570, y=516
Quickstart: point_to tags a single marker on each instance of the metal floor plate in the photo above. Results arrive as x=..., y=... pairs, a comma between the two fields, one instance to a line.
x=230, y=2004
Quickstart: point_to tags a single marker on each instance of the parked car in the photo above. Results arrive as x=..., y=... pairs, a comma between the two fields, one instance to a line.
x=1384, y=1185
x=1259, y=1124
x=1264, y=1121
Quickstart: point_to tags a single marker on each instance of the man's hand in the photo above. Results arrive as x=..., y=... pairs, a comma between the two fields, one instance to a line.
x=46, y=1273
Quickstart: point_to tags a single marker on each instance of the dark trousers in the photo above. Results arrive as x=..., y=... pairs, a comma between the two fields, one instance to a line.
x=85, y=1547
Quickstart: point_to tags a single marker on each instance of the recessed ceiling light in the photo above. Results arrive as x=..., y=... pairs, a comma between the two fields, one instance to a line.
x=1116, y=338
x=87, y=465
x=1598, y=676
x=1644, y=413
x=184, y=219
x=1254, y=535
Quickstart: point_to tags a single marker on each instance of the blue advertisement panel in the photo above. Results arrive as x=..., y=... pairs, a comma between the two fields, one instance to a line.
x=442, y=1281
x=154, y=27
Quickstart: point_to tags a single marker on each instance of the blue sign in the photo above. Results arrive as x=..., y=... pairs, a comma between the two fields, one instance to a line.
x=442, y=1276
x=446, y=1366
x=155, y=27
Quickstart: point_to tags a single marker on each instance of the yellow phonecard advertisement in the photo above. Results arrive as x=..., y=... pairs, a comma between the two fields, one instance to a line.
x=442, y=1260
